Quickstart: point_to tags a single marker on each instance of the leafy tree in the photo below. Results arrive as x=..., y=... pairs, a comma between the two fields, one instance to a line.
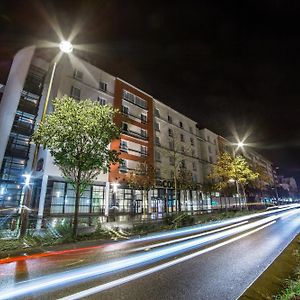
x=77, y=134
x=229, y=168
x=142, y=178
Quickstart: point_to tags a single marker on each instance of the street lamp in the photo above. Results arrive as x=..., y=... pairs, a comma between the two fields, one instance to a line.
x=239, y=144
x=65, y=47
x=23, y=209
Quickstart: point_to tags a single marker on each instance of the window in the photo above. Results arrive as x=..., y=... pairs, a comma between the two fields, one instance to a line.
x=193, y=152
x=144, y=133
x=156, y=112
x=194, y=166
x=182, y=149
x=170, y=119
x=124, y=127
x=191, y=129
x=101, y=101
x=192, y=141
x=143, y=118
x=78, y=75
x=158, y=175
x=208, y=138
x=170, y=132
x=123, y=166
x=209, y=149
x=182, y=137
x=194, y=178
x=156, y=126
x=123, y=146
x=75, y=92
x=157, y=140
x=210, y=159
x=157, y=156
x=180, y=124
x=102, y=86
x=171, y=145
x=125, y=110
x=172, y=160
x=143, y=151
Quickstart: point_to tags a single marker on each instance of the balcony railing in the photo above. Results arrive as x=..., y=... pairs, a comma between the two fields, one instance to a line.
x=134, y=117
x=135, y=134
x=27, y=106
x=22, y=128
x=135, y=152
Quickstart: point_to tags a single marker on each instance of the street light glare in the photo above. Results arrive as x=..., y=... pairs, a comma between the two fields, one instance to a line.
x=66, y=46
x=241, y=144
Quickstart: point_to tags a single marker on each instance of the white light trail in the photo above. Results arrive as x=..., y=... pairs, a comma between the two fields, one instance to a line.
x=135, y=276
x=197, y=228
x=186, y=238
x=60, y=279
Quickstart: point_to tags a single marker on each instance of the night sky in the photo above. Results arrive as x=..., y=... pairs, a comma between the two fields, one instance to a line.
x=229, y=65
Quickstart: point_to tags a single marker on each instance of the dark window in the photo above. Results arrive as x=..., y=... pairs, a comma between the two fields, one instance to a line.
x=75, y=93
x=101, y=101
x=103, y=86
x=125, y=110
x=143, y=118
x=78, y=75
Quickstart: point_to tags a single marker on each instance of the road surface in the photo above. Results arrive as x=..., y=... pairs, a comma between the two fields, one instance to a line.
x=216, y=261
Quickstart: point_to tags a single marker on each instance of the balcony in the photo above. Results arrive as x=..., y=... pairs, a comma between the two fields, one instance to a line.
x=18, y=153
x=22, y=128
x=134, y=117
x=27, y=106
x=134, y=134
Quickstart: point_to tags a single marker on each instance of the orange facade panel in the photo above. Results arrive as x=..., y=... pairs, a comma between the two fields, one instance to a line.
x=120, y=86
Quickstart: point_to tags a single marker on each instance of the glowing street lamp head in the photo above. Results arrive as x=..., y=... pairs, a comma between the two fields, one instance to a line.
x=27, y=179
x=240, y=144
x=66, y=47
x=115, y=186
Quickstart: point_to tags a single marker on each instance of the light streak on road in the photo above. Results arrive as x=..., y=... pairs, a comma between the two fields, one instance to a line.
x=135, y=276
x=134, y=261
x=123, y=244
x=185, y=238
x=50, y=253
x=201, y=227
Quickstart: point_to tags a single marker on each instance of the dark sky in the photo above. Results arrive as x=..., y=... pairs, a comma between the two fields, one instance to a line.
x=225, y=64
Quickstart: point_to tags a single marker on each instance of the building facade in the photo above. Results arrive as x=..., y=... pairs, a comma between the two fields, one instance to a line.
x=152, y=133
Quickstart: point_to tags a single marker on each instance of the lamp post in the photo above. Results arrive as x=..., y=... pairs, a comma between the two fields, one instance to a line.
x=65, y=47
x=241, y=145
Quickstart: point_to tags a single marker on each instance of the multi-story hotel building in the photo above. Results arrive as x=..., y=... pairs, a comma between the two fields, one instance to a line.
x=151, y=133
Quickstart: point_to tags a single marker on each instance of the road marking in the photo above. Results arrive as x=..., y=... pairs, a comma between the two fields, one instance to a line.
x=135, y=276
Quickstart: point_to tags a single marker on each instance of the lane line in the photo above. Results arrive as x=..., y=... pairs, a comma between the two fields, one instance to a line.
x=138, y=275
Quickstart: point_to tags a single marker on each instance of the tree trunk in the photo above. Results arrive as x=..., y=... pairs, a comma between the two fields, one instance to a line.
x=77, y=200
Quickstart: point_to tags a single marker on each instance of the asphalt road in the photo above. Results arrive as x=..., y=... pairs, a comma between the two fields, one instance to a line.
x=217, y=262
